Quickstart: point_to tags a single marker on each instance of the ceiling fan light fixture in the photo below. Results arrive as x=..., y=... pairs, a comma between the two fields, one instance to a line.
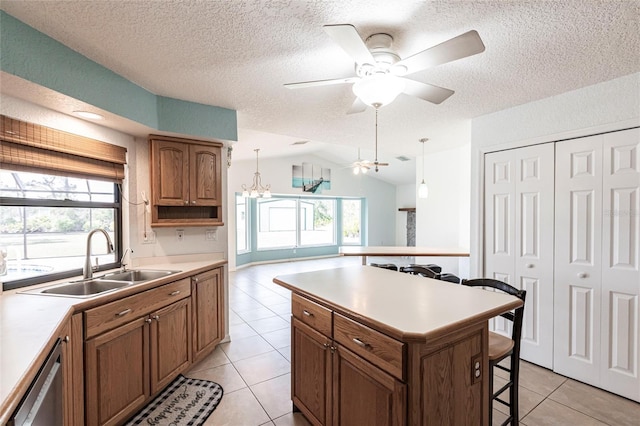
x=380, y=89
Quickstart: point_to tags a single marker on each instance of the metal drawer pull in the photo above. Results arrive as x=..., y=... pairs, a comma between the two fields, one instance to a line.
x=307, y=313
x=174, y=293
x=125, y=312
x=360, y=343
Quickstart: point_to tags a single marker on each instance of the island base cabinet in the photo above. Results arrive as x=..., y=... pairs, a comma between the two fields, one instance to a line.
x=117, y=373
x=311, y=388
x=364, y=394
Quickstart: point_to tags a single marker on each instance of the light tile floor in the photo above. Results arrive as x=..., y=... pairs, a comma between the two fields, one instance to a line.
x=254, y=367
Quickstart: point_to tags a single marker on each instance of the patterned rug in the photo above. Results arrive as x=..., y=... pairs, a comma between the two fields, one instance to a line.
x=185, y=402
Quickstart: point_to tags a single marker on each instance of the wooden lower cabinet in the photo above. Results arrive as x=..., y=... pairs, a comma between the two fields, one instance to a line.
x=357, y=375
x=127, y=365
x=364, y=394
x=207, y=298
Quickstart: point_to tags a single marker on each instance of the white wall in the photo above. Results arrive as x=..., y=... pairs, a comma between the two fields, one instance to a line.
x=443, y=218
x=611, y=105
x=405, y=197
x=381, y=196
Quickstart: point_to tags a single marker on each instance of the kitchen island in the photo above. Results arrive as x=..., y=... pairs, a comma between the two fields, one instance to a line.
x=379, y=347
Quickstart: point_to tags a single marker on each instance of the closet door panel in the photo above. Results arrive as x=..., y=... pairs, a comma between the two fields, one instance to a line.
x=620, y=270
x=534, y=248
x=577, y=285
x=500, y=216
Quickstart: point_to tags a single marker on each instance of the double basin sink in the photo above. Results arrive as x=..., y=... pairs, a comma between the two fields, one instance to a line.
x=109, y=282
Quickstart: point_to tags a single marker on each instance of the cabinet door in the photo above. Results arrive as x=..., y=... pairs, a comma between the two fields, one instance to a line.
x=208, y=312
x=620, y=263
x=170, y=343
x=519, y=226
x=117, y=373
x=205, y=176
x=170, y=173
x=364, y=394
x=578, y=268
x=311, y=375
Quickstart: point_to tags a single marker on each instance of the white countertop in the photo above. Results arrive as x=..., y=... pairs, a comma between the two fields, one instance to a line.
x=409, y=306
x=29, y=323
x=403, y=251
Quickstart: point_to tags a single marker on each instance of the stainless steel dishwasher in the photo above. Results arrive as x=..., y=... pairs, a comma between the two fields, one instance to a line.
x=42, y=405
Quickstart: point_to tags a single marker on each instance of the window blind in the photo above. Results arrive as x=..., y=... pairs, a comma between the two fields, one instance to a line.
x=31, y=147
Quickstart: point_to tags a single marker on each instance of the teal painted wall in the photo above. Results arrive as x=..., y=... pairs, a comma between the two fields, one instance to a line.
x=34, y=56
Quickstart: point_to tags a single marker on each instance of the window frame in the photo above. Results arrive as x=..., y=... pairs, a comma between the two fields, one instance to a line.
x=116, y=205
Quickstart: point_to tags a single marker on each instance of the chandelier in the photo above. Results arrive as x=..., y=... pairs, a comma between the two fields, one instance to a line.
x=257, y=189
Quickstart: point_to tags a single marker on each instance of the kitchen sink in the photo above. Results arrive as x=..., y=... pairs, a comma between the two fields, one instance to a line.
x=109, y=282
x=85, y=288
x=137, y=275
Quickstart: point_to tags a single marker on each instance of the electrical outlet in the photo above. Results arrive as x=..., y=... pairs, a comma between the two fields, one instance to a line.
x=149, y=237
x=180, y=234
x=211, y=235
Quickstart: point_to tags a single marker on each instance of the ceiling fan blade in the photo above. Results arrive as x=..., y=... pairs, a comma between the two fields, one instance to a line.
x=464, y=45
x=428, y=92
x=347, y=37
x=358, y=106
x=305, y=84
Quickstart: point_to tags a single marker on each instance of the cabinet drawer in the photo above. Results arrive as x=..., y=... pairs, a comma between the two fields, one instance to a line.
x=312, y=314
x=377, y=348
x=106, y=317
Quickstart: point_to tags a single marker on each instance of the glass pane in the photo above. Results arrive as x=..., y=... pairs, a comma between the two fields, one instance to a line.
x=51, y=187
x=351, y=214
x=41, y=240
x=276, y=223
x=317, y=222
x=242, y=234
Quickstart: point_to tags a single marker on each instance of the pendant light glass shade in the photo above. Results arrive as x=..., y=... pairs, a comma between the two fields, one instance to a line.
x=379, y=89
x=423, y=189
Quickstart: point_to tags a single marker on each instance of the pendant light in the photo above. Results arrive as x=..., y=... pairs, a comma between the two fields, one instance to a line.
x=257, y=189
x=423, y=189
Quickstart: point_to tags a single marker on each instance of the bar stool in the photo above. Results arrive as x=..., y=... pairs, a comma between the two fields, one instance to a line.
x=389, y=266
x=419, y=270
x=435, y=268
x=501, y=347
x=452, y=278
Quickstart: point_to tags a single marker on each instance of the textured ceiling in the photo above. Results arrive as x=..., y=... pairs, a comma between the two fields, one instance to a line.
x=238, y=54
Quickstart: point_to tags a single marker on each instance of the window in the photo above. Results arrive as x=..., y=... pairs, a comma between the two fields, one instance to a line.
x=276, y=223
x=44, y=221
x=317, y=223
x=242, y=224
x=351, y=222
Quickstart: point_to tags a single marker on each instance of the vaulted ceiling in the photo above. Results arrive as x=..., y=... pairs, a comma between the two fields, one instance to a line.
x=238, y=54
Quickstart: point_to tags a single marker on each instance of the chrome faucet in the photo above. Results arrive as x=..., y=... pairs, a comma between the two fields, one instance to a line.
x=122, y=264
x=87, y=271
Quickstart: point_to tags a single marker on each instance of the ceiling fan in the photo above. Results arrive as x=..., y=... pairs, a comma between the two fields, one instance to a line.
x=379, y=68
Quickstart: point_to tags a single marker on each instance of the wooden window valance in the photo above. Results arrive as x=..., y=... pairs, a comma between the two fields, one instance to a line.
x=31, y=147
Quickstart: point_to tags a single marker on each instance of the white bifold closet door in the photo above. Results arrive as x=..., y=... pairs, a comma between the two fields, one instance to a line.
x=519, y=206
x=597, y=275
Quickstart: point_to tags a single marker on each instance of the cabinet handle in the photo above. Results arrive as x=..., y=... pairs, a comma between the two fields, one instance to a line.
x=123, y=313
x=195, y=280
x=360, y=342
x=583, y=275
x=174, y=293
x=186, y=201
x=148, y=320
x=193, y=202
x=307, y=313
x=530, y=265
x=156, y=317
x=66, y=339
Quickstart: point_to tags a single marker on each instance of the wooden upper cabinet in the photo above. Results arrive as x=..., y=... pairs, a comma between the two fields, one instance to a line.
x=171, y=173
x=186, y=182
